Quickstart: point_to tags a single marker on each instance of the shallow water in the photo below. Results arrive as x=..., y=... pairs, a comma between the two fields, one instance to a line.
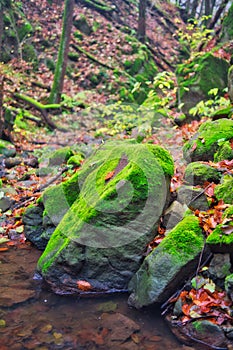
x=33, y=318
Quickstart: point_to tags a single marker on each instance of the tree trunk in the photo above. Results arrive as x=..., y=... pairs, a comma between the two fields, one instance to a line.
x=194, y=9
x=142, y=21
x=60, y=70
x=1, y=30
x=218, y=13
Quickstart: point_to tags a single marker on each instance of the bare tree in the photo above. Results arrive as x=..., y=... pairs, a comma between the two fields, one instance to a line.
x=60, y=70
x=142, y=21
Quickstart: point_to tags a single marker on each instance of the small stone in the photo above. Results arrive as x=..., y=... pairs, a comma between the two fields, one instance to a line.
x=2, y=323
x=5, y=203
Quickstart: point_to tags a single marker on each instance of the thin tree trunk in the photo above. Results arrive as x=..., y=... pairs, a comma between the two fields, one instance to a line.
x=1, y=105
x=60, y=70
x=1, y=30
x=194, y=8
x=142, y=21
x=218, y=13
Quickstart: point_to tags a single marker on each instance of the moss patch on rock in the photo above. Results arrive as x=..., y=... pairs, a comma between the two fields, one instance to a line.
x=60, y=156
x=124, y=187
x=225, y=152
x=167, y=266
x=196, y=78
x=198, y=173
x=220, y=240
x=205, y=143
x=225, y=190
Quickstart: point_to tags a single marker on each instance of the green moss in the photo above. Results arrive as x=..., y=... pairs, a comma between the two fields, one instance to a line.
x=111, y=198
x=228, y=212
x=224, y=152
x=198, y=173
x=184, y=239
x=227, y=25
x=60, y=156
x=76, y=160
x=206, y=142
x=225, y=191
x=218, y=237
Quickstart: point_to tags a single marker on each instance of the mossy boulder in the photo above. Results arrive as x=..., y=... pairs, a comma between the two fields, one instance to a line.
x=224, y=191
x=7, y=149
x=196, y=78
x=227, y=26
x=229, y=285
x=207, y=141
x=165, y=269
x=123, y=190
x=224, y=152
x=193, y=197
x=60, y=156
x=198, y=173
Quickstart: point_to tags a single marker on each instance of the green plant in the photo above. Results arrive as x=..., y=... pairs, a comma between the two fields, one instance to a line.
x=207, y=108
x=195, y=35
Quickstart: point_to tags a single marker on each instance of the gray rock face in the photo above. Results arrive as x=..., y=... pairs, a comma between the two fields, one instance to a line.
x=124, y=188
x=167, y=266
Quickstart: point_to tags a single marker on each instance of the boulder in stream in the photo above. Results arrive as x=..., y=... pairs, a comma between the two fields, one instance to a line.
x=113, y=214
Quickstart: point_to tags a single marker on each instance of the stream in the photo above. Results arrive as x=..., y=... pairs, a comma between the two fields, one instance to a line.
x=31, y=317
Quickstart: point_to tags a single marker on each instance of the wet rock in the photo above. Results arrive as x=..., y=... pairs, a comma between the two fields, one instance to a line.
x=165, y=269
x=121, y=327
x=33, y=229
x=194, y=198
x=112, y=206
x=204, y=334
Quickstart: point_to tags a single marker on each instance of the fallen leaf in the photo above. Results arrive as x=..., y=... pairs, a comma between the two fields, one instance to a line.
x=84, y=285
x=109, y=175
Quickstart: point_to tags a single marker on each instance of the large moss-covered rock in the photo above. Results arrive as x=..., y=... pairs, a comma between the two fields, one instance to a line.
x=196, y=78
x=208, y=139
x=198, y=173
x=227, y=26
x=123, y=189
x=167, y=267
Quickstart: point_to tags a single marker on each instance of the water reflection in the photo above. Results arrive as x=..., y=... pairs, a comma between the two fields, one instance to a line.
x=33, y=318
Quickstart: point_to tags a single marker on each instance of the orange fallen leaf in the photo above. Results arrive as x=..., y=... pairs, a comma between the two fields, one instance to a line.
x=3, y=249
x=109, y=175
x=84, y=285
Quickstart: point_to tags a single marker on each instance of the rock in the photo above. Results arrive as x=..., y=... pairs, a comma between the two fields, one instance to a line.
x=82, y=25
x=173, y=215
x=166, y=267
x=220, y=241
x=227, y=26
x=60, y=156
x=121, y=327
x=7, y=149
x=119, y=197
x=224, y=191
x=197, y=173
x=206, y=142
x=202, y=74
x=12, y=162
x=76, y=160
x=229, y=286
x=220, y=266
x=5, y=203
x=33, y=229
x=194, y=198
x=204, y=333
x=224, y=152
